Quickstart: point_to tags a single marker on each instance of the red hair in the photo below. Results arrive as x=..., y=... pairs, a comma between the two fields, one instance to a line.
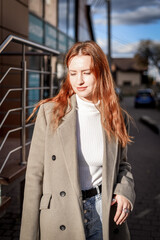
x=111, y=113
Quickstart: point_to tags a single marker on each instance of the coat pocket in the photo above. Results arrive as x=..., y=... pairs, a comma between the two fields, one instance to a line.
x=45, y=201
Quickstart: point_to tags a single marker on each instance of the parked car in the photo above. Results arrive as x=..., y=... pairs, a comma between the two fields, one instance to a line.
x=145, y=97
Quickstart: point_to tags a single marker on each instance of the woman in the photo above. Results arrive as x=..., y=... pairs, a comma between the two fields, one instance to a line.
x=78, y=182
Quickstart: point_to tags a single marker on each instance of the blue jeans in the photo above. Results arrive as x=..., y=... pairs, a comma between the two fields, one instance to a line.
x=92, y=208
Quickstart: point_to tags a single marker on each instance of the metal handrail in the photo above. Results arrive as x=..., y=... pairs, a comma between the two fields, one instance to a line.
x=8, y=70
x=20, y=89
x=11, y=131
x=10, y=90
x=20, y=69
x=11, y=54
x=36, y=71
x=9, y=111
x=13, y=110
x=6, y=136
x=12, y=151
x=39, y=88
x=42, y=51
x=12, y=38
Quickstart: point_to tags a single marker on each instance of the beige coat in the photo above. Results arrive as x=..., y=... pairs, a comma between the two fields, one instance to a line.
x=52, y=207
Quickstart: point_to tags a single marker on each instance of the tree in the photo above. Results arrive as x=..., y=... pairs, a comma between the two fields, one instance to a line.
x=148, y=52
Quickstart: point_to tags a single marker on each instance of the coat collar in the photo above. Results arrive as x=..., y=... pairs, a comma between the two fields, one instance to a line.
x=71, y=111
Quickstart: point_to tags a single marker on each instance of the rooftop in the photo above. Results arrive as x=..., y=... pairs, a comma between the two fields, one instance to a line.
x=126, y=64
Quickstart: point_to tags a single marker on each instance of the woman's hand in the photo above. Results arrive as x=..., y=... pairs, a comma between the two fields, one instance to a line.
x=123, y=208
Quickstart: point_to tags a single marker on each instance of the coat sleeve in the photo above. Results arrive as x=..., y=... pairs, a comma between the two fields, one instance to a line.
x=34, y=179
x=125, y=182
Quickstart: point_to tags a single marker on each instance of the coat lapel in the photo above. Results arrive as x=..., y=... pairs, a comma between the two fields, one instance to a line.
x=67, y=134
x=109, y=163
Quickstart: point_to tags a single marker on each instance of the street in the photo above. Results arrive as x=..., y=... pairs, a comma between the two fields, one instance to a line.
x=144, y=156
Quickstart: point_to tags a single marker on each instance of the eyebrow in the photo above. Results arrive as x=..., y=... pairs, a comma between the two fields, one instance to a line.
x=82, y=70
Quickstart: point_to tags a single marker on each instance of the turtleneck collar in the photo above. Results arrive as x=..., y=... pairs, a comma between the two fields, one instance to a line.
x=83, y=105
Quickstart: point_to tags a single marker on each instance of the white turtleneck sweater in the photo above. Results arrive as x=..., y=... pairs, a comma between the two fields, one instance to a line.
x=89, y=144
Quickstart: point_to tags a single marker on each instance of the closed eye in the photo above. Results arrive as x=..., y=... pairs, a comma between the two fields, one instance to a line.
x=87, y=73
x=72, y=74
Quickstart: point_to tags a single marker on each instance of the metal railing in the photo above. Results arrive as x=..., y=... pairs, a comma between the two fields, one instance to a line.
x=43, y=52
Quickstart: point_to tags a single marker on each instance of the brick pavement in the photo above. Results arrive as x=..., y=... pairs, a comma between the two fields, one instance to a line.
x=10, y=222
x=10, y=226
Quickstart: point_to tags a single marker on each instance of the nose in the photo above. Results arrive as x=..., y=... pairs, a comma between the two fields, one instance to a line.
x=80, y=79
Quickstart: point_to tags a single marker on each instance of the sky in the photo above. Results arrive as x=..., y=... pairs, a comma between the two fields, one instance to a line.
x=131, y=22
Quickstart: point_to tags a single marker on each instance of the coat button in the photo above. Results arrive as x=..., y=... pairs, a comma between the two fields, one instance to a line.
x=53, y=157
x=62, y=227
x=62, y=194
x=116, y=230
x=85, y=220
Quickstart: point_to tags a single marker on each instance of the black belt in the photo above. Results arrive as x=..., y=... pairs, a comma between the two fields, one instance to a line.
x=91, y=192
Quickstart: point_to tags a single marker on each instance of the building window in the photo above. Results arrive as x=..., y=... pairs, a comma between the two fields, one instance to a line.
x=62, y=15
x=71, y=20
x=127, y=83
x=66, y=17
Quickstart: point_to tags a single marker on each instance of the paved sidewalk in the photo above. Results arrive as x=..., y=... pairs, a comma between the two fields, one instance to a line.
x=10, y=222
x=10, y=226
x=152, y=122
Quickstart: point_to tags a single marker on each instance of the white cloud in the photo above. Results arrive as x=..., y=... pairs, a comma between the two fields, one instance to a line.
x=128, y=12
x=118, y=49
x=100, y=21
x=102, y=43
x=142, y=15
x=123, y=5
x=124, y=50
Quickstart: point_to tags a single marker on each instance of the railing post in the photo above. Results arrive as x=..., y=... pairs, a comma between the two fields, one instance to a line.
x=41, y=77
x=23, y=116
x=51, y=77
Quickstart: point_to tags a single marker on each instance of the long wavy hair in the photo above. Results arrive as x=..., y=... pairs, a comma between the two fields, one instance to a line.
x=111, y=113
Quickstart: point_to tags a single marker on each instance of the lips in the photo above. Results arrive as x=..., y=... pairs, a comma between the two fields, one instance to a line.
x=81, y=88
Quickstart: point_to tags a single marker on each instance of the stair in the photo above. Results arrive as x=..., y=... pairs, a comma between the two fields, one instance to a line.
x=13, y=172
x=4, y=202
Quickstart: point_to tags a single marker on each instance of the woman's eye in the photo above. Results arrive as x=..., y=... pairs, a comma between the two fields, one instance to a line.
x=72, y=74
x=87, y=73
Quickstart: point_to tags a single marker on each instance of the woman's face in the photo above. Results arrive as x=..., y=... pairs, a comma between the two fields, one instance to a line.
x=81, y=78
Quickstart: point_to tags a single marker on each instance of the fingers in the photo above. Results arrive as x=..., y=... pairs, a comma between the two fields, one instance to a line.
x=123, y=216
x=123, y=209
x=118, y=213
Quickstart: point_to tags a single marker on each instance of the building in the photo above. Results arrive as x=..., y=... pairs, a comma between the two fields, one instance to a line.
x=127, y=73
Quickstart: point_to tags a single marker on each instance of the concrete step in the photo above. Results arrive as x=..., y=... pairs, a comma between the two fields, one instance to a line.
x=4, y=202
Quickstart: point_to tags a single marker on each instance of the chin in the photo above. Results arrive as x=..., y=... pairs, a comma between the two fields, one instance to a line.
x=82, y=95
x=85, y=97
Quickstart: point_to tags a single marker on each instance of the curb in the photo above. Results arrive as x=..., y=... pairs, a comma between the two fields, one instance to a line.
x=148, y=121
